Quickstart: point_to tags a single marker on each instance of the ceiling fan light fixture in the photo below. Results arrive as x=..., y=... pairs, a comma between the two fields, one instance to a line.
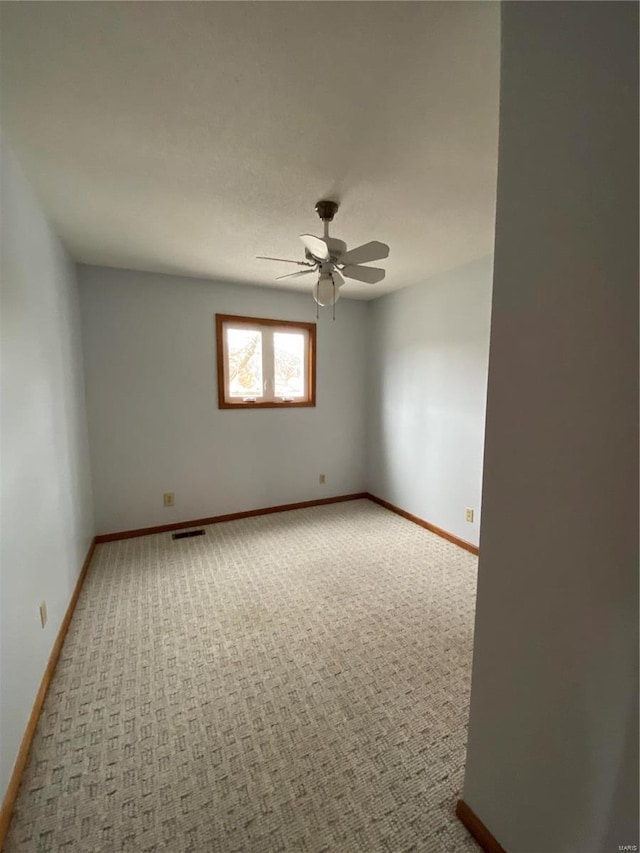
x=326, y=292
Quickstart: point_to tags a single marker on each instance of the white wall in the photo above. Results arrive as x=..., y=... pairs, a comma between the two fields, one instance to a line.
x=46, y=522
x=428, y=378
x=553, y=752
x=154, y=422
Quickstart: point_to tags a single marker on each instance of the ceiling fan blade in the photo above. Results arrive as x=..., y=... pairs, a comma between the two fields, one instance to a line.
x=337, y=278
x=373, y=251
x=315, y=246
x=370, y=275
x=294, y=274
x=286, y=261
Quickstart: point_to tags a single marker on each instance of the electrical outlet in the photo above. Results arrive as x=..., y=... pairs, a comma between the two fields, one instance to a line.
x=469, y=515
x=43, y=613
x=322, y=479
x=169, y=499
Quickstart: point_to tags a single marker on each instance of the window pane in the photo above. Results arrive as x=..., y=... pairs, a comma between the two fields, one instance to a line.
x=289, y=363
x=245, y=362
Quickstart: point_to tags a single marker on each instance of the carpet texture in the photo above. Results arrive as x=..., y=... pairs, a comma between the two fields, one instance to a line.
x=293, y=682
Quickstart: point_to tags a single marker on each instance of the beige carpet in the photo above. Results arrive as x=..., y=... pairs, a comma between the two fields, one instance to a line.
x=292, y=682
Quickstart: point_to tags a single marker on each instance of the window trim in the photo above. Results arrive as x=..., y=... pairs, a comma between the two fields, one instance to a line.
x=310, y=328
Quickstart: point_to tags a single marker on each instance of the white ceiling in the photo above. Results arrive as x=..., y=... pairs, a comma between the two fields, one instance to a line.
x=189, y=137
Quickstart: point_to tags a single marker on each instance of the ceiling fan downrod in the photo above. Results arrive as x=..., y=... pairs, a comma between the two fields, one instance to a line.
x=326, y=210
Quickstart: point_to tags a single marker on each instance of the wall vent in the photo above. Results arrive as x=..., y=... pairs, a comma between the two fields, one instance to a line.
x=187, y=534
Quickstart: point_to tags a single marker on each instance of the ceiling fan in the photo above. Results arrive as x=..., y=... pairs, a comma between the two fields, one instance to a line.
x=329, y=258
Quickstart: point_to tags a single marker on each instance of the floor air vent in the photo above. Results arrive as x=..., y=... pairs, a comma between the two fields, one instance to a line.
x=187, y=534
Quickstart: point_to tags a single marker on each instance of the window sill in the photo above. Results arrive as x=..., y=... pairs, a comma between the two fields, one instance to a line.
x=268, y=405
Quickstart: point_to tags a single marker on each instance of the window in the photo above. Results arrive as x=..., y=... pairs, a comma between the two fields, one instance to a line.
x=265, y=363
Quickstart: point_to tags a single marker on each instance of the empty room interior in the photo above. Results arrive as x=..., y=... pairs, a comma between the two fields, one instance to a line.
x=319, y=427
